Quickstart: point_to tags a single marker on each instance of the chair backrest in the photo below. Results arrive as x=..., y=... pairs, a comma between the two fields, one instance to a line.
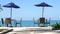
x=20, y=22
x=2, y=20
x=42, y=20
x=34, y=21
x=8, y=20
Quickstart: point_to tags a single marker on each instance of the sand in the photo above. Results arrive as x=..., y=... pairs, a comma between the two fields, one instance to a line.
x=31, y=30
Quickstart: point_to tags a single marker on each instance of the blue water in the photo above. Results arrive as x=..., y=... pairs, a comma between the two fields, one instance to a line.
x=26, y=23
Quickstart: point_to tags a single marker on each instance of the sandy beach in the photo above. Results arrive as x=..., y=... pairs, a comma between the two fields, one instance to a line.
x=31, y=30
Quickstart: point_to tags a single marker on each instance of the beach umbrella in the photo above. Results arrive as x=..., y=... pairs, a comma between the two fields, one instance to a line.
x=43, y=4
x=11, y=5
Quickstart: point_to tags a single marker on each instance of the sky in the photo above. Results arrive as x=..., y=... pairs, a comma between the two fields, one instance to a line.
x=28, y=11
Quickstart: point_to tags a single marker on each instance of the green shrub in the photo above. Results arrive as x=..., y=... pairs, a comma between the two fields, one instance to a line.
x=57, y=25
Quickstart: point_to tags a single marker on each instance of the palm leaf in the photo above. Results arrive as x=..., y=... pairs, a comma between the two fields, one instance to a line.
x=0, y=8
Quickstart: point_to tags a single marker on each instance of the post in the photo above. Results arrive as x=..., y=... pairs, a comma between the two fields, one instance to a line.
x=42, y=11
x=11, y=13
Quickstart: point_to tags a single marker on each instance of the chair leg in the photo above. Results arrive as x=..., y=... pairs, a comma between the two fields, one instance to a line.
x=34, y=24
x=7, y=25
x=48, y=24
x=16, y=24
x=11, y=24
x=38, y=24
x=20, y=25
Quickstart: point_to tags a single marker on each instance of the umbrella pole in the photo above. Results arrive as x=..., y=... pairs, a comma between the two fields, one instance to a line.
x=11, y=13
x=42, y=11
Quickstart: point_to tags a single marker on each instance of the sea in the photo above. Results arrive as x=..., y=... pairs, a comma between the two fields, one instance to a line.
x=26, y=23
